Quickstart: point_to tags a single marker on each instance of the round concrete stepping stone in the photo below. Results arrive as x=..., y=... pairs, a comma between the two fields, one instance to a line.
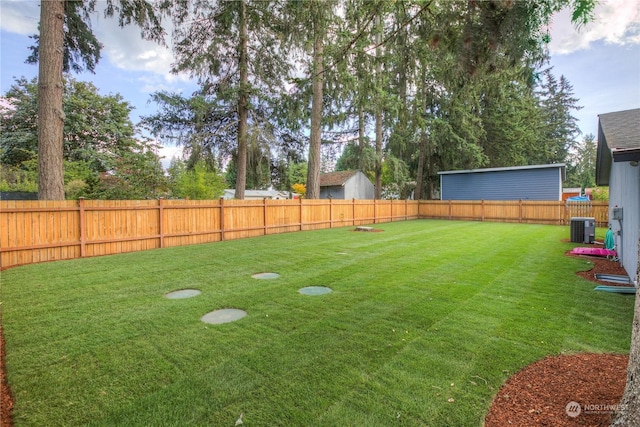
x=266, y=276
x=183, y=293
x=224, y=315
x=314, y=290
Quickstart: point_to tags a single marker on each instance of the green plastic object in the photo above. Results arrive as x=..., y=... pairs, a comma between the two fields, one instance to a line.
x=609, y=240
x=617, y=289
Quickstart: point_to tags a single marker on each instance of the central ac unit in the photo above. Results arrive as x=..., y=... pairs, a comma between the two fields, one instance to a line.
x=583, y=230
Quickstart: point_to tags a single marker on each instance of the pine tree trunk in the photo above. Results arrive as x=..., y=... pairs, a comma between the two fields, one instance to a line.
x=378, y=194
x=378, y=185
x=361, y=131
x=313, y=171
x=243, y=113
x=629, y=411
x=50, y=113
x=422, y=155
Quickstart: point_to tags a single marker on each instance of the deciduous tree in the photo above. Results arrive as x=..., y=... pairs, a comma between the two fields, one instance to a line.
x=97, y=128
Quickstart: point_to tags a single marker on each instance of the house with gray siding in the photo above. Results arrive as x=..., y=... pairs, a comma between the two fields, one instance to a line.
x=617, y=166
x=351, y=184
x=537, y=182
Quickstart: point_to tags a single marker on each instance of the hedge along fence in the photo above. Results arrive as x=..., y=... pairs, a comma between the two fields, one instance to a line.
x=38, y=231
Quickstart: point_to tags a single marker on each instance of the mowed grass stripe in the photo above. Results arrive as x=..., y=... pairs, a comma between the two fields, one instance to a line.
x=425, y=322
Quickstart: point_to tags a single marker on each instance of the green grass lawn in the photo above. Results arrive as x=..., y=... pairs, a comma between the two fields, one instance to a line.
x=426, y=321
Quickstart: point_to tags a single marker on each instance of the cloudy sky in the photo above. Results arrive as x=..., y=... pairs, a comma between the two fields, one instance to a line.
x=601, y=60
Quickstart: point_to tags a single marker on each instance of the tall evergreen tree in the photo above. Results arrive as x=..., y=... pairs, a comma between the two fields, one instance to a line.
x=202, y=125
x=557, y=103
x=235, y=51
x=581, y=170
x=50, y=115
x=311, y=32
x=65, y=41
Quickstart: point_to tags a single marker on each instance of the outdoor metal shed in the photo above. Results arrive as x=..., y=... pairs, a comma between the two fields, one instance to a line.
x=351, y=184
x=537, y=182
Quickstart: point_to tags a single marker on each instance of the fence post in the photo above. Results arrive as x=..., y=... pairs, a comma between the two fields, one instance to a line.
x=375, y=211
x=520, y=210
x=161, y=220
x=83, y=232
x=264, y=215
x=330, y=212
x=353, y=210
x=450, y=210
x=221, y=218
x=300, y=198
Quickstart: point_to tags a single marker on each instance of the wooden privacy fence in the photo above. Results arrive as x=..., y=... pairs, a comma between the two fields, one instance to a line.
x=522, y=211
x=38, y=231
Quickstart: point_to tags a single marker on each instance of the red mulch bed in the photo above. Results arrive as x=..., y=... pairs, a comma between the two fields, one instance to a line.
x=536, y=396
x=539, y=394
x=6, y=400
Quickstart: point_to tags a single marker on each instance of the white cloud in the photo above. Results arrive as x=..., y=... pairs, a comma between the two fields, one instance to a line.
x=122, y=47
x=125, y=49
x=616, y=22
x=168, y=153
x=20, y=16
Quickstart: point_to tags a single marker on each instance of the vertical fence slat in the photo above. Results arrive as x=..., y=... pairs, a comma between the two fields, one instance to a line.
x=161, y=221
x=222, y=219
x=330, y=213
x=83, y=229
x=520, y=210
x=264, y=216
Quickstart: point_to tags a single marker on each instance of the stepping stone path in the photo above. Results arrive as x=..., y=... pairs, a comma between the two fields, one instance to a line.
x=224, y=315
x=183, y=293
x=266, y=276
x=314, y=290
x=227, y=315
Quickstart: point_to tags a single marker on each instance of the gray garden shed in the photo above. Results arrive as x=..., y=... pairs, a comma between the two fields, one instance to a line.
x=617, y=166
x=351, y=184
x=537, y=182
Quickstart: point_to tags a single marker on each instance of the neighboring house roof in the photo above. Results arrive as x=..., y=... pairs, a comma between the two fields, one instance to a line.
x=257, y=194
x=618, y=141
x=334, y=179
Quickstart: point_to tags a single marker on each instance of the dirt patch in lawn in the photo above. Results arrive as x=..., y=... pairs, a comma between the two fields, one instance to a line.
x=367, y=230
x=565, y=390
